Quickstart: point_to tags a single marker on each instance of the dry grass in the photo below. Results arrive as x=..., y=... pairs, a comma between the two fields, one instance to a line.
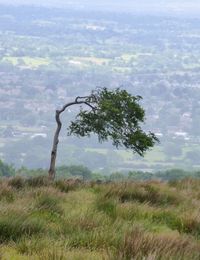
x=72, y=220
x=154, y=193
x=139, y=244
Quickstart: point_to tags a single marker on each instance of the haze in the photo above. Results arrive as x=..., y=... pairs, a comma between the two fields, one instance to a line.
x=50, y=55
x=173, y=7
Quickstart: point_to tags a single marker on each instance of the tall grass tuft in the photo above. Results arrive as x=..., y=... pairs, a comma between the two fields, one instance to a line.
x=6, y=193
x=107, y=205
x=13, y=227
x=49, y=202
x=17, y=182
x=30, y=246
x=139, y=244
x=38, y=181
x=67, y=185
x=155, y=194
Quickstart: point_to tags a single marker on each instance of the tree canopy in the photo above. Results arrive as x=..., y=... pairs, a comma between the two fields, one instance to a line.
x=116, y=115
x=6, y=170
x=111, y=114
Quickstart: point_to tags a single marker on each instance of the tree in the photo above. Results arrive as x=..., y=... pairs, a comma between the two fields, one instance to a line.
x=6, y=170
x=111, y=114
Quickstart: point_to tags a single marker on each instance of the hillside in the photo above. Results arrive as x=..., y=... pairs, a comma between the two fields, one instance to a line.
x=73, y=220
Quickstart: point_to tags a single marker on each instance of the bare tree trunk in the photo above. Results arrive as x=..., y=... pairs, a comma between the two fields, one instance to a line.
x=78, y=101
x=52, y=169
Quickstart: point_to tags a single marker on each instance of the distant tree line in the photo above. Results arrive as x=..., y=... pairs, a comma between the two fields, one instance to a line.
x=85, y=174
x=6, y=170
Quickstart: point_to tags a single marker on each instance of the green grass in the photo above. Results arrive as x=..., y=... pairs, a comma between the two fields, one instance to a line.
x=40, y=219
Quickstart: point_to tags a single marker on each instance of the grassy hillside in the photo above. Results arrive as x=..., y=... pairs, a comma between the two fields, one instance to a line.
x=73, y=220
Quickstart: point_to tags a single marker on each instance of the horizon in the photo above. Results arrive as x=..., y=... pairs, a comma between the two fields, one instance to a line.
x=176, y=7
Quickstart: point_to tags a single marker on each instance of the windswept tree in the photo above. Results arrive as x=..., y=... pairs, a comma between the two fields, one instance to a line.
x=112, y=115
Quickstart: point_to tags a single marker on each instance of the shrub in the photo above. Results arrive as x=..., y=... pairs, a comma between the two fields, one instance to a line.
x=6, y=170
x=75, y=170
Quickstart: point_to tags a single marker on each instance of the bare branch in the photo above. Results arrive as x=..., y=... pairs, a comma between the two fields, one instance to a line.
x=83, y=100
x=70, y=104
x=85, y=97
x=92, y=107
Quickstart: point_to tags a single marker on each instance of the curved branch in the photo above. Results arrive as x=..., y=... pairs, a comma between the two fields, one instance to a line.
x=85, y=97
x=70, y=104
x=52, y=170
x=92, y=107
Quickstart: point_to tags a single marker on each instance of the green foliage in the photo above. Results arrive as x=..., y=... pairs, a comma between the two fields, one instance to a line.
x=74, y=171
x=139, y=175
x=25, y=172
x=173, y=174
x=117, y=176
x=6, y=170
x=116, y=115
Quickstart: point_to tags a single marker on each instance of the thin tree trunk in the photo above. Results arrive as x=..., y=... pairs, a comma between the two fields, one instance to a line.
x=52, y=168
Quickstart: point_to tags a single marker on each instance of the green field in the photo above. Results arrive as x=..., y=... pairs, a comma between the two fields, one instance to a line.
x=31, y=62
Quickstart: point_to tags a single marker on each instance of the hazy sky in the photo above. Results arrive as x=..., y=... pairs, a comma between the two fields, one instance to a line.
x=173, y=6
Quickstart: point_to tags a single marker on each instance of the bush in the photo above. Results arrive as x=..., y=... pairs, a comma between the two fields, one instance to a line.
x=6, y=170
x=74, y=170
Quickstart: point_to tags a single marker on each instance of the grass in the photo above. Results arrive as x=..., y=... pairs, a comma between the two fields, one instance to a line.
x=68, y=220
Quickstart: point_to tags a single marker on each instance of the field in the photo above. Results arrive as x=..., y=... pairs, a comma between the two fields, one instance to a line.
x=74, y=220
x=29, y=62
